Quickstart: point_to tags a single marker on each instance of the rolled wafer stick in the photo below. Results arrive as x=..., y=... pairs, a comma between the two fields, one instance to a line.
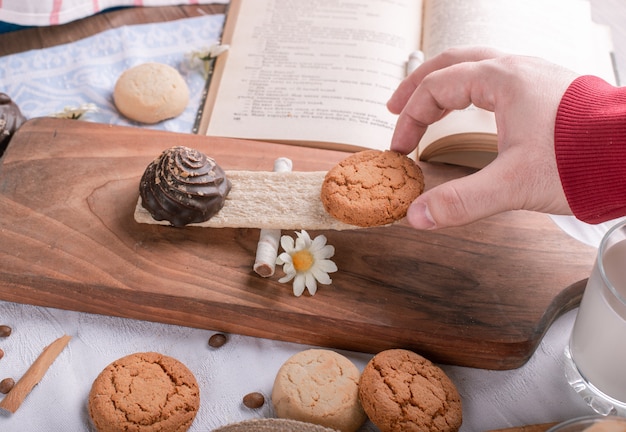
x=269, y=238
x=268, y=200
x=34, y=374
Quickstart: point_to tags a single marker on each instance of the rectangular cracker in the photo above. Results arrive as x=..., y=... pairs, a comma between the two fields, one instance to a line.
x=268, y=200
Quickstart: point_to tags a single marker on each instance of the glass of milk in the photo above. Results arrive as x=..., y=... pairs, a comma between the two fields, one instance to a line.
x=596, y=354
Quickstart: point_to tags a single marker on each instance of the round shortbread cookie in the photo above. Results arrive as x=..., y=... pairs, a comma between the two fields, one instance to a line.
x=319, y=386
x=402, y=391
x=144, y=392
x=372, y=188
x=150, y=93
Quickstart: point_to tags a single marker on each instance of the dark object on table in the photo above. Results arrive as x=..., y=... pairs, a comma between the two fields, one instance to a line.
x=11, y=119
x=5, y=331
x=183, y=186
x=217, y=340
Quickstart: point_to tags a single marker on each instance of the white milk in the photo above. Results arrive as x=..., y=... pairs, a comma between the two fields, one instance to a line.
x=598, y=342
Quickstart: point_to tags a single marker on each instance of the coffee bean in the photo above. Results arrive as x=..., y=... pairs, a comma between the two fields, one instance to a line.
x=254, y=400
x=5, y=331
x=6, y=385
x=1, y=353
x=217, y=340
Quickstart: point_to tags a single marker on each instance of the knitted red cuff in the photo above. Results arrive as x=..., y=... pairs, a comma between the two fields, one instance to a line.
x=590, y=147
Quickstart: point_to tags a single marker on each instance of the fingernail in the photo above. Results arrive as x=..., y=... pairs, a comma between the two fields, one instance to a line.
x=419, y=216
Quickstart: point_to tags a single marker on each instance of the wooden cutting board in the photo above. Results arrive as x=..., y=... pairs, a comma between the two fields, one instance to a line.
x=481, y=295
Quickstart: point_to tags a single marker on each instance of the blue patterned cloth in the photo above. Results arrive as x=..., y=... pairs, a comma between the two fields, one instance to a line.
x=44, y=82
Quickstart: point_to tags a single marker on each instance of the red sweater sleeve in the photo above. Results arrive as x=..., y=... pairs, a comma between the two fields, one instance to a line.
x=590, y=146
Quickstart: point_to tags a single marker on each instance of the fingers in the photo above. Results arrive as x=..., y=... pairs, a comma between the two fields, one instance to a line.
x=459, y=202
x=524, y=93
x=453, y=88
x=448, y=58
x=512, y=181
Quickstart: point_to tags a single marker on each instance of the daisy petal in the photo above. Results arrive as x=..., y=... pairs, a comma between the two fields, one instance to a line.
x=287, y=244
x=283, y=258
x=311, y=283
x=318, y=243
x=286, y=278
x=289, y=268
x=321, y=276
x=298, y=285
x=326, y=252
x=327, y=266
x=304, y=236
x=301, y=243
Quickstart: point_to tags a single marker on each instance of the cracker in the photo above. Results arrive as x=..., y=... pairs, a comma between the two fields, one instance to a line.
x=268, y=200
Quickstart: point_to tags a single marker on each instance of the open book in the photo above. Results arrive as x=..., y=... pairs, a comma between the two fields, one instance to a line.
x=319, y=73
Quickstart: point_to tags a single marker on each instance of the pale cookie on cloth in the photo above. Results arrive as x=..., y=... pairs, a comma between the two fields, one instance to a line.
x=319, y=386
x=144, y=392
x=372, y=188
x=150, y=93
x=402, y=391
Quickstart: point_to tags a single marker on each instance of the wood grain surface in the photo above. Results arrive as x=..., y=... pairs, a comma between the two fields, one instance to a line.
x=543, y=427
x=47, y=36
x=481, y=295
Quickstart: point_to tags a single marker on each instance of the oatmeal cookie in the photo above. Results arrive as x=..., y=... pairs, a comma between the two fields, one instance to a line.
x=372, y=188
x=402, y=391
x=144, y=392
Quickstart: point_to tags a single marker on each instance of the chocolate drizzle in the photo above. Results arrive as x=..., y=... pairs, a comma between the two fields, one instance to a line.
x=11, y=119
x=183, y=186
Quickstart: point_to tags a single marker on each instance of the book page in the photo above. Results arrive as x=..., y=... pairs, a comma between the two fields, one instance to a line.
x=463, y=131
x=560, y=31
x=319, y=71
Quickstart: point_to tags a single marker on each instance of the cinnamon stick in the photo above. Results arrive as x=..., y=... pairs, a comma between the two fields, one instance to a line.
x=34, y=374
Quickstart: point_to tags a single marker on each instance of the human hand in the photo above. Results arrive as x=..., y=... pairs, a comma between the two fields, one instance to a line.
x=524, y=93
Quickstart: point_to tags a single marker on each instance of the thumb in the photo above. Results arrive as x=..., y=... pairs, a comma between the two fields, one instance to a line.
x=461, y=201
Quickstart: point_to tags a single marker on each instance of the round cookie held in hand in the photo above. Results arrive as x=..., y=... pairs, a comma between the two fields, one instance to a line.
x=319, y=386
x=372, y=188
x=144, y=392
x=402, y=391
x=150, y=93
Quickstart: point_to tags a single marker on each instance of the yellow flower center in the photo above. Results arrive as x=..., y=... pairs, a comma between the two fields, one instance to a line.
x=302, y=260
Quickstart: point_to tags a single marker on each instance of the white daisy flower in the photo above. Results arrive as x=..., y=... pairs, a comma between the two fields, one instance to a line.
x=76, y=113
x=206, y=57
x=306, y=261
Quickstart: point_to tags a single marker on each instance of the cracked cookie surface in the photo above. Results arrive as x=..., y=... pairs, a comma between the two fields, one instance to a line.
x=402, y=391
x=372, y=188
x=144, y=392
x=319, y=386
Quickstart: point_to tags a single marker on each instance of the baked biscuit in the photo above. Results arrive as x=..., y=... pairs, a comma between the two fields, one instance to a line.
x=319, y=386
x=144, y=392
x=150, y=93
x=402, y=391
x=372, y=188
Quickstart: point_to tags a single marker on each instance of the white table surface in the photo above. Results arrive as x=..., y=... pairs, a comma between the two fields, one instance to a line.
x=46, y=81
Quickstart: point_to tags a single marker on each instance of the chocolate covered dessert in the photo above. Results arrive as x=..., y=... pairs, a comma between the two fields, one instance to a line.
x=183, y=186
x=11, y=119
